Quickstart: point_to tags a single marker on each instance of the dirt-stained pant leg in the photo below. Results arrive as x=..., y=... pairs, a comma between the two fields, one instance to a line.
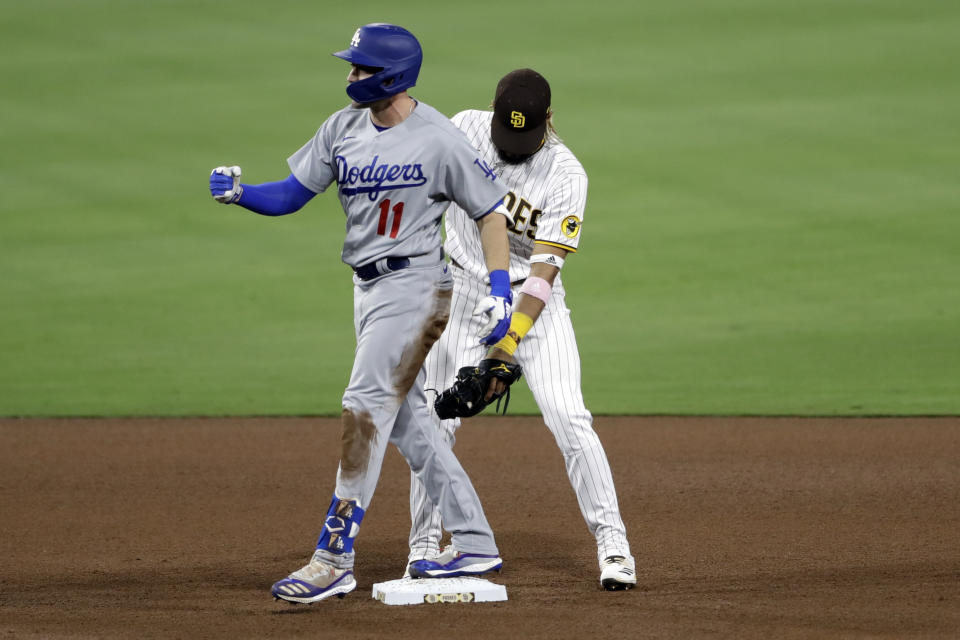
x=395, y=325
x=444, y=481
x=457, y=347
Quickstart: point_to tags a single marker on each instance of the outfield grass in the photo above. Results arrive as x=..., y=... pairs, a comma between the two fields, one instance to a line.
x=772, y=224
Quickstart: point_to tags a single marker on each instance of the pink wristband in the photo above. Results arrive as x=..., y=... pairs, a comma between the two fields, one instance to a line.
x=538, y=288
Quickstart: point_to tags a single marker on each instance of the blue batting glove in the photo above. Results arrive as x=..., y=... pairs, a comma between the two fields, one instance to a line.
x=496, y=309
x=495, y=313
x=225, y=184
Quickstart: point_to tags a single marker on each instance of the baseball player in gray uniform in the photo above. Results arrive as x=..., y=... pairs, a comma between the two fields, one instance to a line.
x=397, y=163
x=548, y=192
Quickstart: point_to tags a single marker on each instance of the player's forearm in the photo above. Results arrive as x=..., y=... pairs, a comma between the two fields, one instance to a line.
x=529, y=305
x=275, y=198
x=525, y=313
x=493, y=239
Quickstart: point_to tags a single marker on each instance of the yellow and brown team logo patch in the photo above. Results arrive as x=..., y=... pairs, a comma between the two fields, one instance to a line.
x=571, y=226
x=517, y=119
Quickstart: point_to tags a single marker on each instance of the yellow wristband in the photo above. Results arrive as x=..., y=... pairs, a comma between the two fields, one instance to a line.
x=520, y=324
x=507, y=344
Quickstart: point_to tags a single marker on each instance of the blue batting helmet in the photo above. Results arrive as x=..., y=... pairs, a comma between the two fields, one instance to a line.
x=391, y=49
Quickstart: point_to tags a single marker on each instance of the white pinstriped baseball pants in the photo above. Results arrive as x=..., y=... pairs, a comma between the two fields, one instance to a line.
x=551, y=368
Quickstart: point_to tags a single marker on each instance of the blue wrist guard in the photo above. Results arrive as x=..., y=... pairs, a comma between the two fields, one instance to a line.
x=500, y=284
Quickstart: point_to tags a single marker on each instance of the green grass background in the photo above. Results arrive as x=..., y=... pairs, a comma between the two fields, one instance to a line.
x=773, y=223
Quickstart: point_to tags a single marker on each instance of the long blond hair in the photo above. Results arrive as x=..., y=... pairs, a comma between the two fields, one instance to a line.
x=552, y=136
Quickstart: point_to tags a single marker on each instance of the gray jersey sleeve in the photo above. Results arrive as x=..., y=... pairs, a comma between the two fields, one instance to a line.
x=311, y=165
x=395, y=184
x=470, y=182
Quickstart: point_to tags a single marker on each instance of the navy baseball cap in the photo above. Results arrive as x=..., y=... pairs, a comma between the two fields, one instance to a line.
x=520, y=110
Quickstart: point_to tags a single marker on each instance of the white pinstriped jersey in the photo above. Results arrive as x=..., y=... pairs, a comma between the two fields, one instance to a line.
x=548, y=194
x=546, y=201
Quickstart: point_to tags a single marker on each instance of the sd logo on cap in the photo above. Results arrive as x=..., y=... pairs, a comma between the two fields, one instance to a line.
x=520, y=111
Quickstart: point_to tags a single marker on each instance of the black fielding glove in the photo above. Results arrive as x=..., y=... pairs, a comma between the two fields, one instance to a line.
x=466, y=397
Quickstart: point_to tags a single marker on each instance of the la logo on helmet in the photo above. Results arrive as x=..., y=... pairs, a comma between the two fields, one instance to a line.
x=355, y=42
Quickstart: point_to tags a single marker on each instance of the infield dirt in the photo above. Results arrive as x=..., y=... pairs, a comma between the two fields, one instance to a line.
x=742, y=527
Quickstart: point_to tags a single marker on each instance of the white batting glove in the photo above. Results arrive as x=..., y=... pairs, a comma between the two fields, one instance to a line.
x=494, y=313
x=225, y=184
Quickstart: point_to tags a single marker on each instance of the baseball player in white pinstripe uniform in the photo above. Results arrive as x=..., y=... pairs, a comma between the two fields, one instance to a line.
x=548, y=192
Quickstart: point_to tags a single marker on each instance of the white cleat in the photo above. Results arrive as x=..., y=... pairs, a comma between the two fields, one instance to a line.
x=618, y=573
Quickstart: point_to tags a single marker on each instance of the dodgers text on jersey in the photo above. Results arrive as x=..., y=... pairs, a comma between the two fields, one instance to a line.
x=374, y=178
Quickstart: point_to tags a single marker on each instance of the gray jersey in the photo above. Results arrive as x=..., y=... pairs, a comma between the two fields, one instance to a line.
x=395, y=184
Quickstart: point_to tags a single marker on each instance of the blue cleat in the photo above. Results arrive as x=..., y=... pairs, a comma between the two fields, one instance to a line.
x=314, y=582
x=451, y=563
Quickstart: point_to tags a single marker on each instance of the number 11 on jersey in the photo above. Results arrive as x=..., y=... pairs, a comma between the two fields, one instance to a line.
x=385, y=214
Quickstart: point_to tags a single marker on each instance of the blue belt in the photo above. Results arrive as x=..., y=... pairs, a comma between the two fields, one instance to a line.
x=374, y=270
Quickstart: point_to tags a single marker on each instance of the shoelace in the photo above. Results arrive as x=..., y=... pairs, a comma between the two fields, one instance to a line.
x=312, y=571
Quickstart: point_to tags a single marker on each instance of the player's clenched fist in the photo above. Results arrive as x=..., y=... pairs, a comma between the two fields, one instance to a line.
x=494, y=313
x=225, y=184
